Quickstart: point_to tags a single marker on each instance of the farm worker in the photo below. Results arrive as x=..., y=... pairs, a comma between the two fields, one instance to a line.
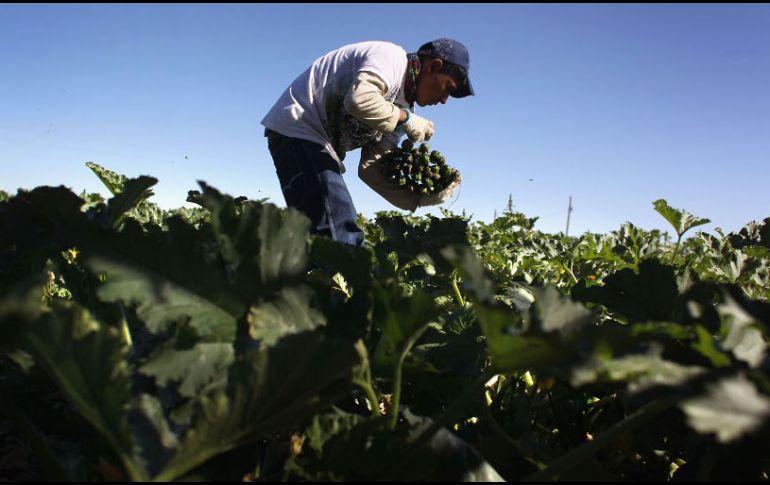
x=358, y=96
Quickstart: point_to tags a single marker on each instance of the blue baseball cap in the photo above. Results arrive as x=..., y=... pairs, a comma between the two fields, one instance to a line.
x=450, y=50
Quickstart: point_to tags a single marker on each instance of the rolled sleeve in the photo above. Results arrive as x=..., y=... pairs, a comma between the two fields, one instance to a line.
x=365, y=100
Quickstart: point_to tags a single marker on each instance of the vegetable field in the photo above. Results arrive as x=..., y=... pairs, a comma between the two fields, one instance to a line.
x=226, y=343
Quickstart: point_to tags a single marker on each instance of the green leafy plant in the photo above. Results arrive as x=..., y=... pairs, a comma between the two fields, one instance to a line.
x=225, y=342
x=681, y=220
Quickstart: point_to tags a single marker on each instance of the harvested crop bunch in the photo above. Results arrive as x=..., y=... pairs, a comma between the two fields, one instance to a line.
x=418, y=169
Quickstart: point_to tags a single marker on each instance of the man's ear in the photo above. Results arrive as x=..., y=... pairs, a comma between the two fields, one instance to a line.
x=436, y=65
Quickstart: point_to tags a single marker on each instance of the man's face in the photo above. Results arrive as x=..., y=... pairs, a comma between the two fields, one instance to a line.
x=434, y=87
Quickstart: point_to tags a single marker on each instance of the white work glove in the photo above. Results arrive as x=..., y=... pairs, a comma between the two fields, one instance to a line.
x=418, y=129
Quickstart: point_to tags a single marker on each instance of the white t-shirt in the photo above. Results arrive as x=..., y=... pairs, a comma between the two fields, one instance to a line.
x=313, y=109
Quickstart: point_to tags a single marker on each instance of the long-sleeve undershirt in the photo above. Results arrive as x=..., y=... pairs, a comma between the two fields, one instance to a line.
x=365, y=100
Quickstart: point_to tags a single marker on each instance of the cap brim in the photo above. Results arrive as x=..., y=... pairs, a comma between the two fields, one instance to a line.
x=464, y=90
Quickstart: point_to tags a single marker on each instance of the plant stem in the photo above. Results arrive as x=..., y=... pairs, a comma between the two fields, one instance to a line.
x=676, y=248
x=397, y=375
x=371, y=395
x=124, y=330
x=570, y=273
x=460, y=299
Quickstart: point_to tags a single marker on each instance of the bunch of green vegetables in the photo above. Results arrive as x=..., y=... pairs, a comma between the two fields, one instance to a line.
x=419, y=169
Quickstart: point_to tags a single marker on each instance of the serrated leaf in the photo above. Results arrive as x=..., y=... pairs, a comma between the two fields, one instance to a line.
x=193, y=369
x=261, y=244
x=352, y=262
x=86, y=359
x=153, y=438
x=357, y=449
x=558, y=313
x=706, y=347
x=640, y=371
x=284, y=237
x=24, y=360
x=647, y=295
x=399, y=317
x=162, y=301
x=744, y=339
x=682, y=221
x=672, y=215
x=135, y=191
x=545, y=339
x=288, y=314
x=112, y=180
x=510, y=348
x=522, y=299
x=408, y=240
x=731, y=408
x=341, y=285
x=325, y=426
x=268, y=389
x=34, y=226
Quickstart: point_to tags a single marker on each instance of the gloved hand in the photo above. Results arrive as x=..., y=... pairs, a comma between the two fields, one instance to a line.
x=418, y=129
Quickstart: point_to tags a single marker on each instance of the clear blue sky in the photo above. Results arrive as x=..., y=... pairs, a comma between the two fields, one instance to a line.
x=615, y=105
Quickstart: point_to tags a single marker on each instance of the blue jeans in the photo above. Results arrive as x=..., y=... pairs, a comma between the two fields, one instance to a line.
x=312, y=183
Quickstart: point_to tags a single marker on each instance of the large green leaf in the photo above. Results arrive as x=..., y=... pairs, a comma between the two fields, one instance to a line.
x=342, y=281
x=193, y=369
x=399, y=318
x=154, y=440
x=268, y=389
x=641, y=371
x=752, y=233
x=557, y=313
x=34, y=226
x=409, y=240
x=112, y=180
x=346, y=447
x=135, y=191
x=261, y=244
x=288, y=314
x=510, y=346
x=162, y=301
x=744, y=338
x=516, y=340
x=731, y=408
x=352, y=262
x=87, y=361
x=235, y=230
x=681, y=220
x=283, y=235
x=647, y=295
